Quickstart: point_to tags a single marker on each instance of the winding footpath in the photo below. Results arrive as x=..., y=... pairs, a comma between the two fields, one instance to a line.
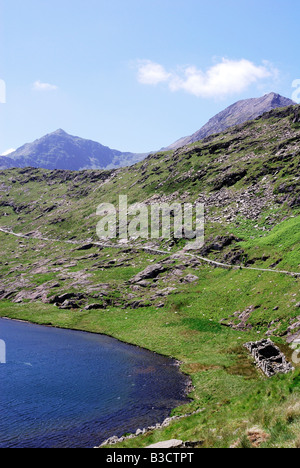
x=154, y=251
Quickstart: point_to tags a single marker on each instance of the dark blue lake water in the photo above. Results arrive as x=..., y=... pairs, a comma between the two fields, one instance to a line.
x=70, y=389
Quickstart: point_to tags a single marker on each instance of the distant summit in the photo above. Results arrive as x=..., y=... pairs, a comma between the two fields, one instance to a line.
x=238, y=113
x=60, y=132
x=59, y=150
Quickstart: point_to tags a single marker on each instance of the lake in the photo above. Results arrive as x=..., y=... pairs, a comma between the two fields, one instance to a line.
x=71, y=389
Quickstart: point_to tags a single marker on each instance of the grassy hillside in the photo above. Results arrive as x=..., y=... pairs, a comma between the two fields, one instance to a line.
x=248, y=178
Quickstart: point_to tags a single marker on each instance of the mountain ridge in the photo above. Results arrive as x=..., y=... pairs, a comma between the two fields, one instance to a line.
x=60, y=150
x=237, y=113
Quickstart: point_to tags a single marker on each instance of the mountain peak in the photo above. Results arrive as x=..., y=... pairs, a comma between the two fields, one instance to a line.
x=238, y=113
x=59, y=150
x=60, y=131
x=276, y=97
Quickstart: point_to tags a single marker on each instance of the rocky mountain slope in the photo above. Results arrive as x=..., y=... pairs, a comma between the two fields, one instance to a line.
x=60, y=150
x=201, y=306
x=238, y=113
x=247, y=178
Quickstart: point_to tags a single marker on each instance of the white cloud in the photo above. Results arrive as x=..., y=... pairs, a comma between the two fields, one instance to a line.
x=39, y=86
x=9, y=151
x=152, y=73
x=224, y=78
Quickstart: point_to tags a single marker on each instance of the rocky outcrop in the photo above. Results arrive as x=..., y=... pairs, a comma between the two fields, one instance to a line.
x=269, y=358
x=293, y=331
x=189, y=279
x=95, y=307
x=239, y=320
x=174, y=443
x=167, y=444
x=166, y=423
x=227, y=180
x=151, y=272
x=85, y=247
x=68, y=300
x=218, y=244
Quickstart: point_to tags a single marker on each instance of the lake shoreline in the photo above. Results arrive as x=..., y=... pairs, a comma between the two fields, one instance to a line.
x=188, y=388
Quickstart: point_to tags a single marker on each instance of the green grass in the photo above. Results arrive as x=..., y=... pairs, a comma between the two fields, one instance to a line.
x=43, y=278
x=283, y=242
x=234, y=394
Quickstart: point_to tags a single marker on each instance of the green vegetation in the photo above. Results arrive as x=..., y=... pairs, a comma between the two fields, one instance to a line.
x=234, y=394
x=248, y=179
x=282, y=243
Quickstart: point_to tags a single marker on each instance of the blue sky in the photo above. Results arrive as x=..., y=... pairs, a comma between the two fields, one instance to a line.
x=137, y=75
